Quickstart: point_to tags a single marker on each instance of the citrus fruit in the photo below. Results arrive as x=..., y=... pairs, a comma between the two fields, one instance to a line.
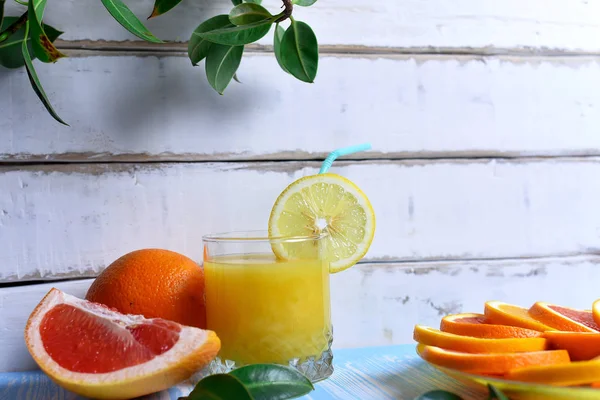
x=501, y=313
x=490, y=364
x=467, y=344
x=477, y=325
x=97, y=352
x=596, y=311
x=567, y=374
x=154, y=283
x=563, y=318
x=323, y=204
x=581, y=346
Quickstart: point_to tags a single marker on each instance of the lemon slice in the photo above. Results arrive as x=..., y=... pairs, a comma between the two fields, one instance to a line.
x=328, y=205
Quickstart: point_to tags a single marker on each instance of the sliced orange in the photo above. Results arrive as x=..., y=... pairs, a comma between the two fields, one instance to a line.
x=96, y=352
x=596, y=311
x=477, y=325
x=568, y=374
x=580, y=345
x=563, y=318
x=450, y=341
x=501, y=313
x=490, y=364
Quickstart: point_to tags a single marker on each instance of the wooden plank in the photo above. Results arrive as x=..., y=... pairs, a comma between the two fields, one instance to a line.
x=72, y=220
x=541, y=25
x=16, y=304
x=149, y=108
x=404, y=294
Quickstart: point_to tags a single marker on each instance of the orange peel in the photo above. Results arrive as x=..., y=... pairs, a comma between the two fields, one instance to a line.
x=433, y=337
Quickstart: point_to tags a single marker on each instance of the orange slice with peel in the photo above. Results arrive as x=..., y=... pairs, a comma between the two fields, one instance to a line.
x=581, y=346
x=450, y=341
x=477, y=325
x=490, y=364
x=501, y=313
x=567, y=374
x=96, y=352
x=596, y=311
x=564, y=318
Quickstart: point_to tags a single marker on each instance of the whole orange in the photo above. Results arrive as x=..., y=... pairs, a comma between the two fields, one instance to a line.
x=155, y=283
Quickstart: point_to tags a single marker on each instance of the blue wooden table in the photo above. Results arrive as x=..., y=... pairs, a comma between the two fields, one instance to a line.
x=375, y=373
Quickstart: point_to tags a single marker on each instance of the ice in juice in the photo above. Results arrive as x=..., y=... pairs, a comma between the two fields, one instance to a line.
x=268, y=311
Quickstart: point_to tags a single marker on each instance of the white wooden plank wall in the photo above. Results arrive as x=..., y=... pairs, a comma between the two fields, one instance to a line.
x=483, y=117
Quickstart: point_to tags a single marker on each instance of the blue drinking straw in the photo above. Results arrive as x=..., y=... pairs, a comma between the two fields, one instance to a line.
x=340, y=153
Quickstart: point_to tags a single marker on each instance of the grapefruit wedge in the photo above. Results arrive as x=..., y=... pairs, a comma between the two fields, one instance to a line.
x=582, y=346
x=96, y=352
x=501, y=313
x=477, y=325
x=492, y=363
x=564, y=318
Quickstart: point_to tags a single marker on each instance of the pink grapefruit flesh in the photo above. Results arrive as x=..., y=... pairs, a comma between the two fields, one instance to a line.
x=97, y=352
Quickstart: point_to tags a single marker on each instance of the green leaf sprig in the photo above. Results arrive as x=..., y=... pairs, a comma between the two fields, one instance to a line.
x=253, y=382
x=219, y=40
x=1, y=12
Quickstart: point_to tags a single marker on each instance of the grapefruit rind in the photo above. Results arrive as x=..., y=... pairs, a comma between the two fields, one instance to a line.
x=544, y=313
x=449, y=341
x=476, y=325
x=489, y=364
x=582, y=346
x=508, y=314
x=566, y=374
x=193, y=351
x=596, y=311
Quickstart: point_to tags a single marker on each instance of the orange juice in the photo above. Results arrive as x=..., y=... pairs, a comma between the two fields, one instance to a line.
x=268, y=311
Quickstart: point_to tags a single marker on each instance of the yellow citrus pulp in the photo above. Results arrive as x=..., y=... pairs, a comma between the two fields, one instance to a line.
x=329, y=205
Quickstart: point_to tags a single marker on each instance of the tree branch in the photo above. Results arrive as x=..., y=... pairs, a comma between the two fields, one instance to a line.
x=14, y=27
x=287, y=12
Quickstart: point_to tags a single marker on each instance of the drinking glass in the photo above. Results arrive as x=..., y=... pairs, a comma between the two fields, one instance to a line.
x=266, y=309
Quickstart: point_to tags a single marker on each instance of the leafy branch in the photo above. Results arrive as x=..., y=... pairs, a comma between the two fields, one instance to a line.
x=219, y=40
x=14, y=27
x=287, y=12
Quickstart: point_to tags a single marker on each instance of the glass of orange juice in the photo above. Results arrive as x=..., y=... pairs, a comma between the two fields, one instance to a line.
x=266, y=309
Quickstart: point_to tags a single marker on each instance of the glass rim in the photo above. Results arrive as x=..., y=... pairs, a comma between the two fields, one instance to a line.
x=257, y=236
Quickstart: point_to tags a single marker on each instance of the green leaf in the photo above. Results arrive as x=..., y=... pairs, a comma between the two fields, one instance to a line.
x=128, y=20
x=162, y=6
x=1, y=12
x=495, y=393
x=236, y=2
x=300, y=51
x=278, y=37
x=238, y=35
x=247, y=13
x=11, y=55
x=198, y=46
x=439, y=395
x=273, y=382
x=254, y=1
x=43, y=48
x=219, y=387
x=304, y=3
x=34, y=80
x=221, y=64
